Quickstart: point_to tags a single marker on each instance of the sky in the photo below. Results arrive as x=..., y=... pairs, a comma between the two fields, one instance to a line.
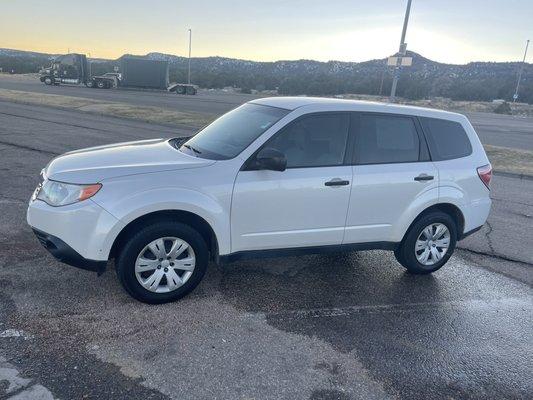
x=452, y=31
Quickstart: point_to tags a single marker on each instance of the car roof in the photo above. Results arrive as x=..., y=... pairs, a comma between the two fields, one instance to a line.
x=329, y=104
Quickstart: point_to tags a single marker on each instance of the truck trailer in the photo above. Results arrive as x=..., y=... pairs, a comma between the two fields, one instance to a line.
x=143, y=73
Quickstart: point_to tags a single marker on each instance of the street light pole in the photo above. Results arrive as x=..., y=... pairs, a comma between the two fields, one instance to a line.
x=190, y=42
x=403, y=50
x=515, y=96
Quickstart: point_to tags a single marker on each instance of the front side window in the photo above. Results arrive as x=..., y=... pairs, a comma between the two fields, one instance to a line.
x=447, y=139
x=384, y=139
x=314, y=141
x=233, y=132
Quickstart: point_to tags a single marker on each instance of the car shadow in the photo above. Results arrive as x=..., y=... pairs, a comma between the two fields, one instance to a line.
x=324, y=281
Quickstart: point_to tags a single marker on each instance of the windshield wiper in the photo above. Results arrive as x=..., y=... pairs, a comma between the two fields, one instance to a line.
x=192, y=148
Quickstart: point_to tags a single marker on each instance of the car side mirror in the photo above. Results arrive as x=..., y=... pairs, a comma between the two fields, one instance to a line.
x=271, y=159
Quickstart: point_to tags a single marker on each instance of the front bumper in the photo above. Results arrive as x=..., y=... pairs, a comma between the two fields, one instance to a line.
x=66, y=254
x=85, y=227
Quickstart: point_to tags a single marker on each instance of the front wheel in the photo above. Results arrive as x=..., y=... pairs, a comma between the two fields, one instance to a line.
x=162, y=262
x=48, y=81
x=101, y=85
x=428, y=244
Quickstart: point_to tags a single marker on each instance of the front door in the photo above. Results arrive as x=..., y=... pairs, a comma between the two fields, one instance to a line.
x=306, y=204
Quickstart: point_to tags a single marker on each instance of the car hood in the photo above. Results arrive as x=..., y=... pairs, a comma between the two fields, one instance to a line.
x=95, y=164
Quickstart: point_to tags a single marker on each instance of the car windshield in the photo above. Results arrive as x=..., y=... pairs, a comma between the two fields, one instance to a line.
x=230, y=134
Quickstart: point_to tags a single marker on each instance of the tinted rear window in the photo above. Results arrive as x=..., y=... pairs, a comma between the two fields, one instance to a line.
x=447, y=139
x=383, y=139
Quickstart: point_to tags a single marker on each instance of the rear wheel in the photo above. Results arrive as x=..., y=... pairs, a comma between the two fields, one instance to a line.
x=100, y=85
x=180, y=90
x=428, y=244
x=162, y=262
x=89, y=83
x=191, y=90
x=48, y=81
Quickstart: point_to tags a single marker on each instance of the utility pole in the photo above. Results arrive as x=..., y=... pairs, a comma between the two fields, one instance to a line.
x=190, y=42
x=382, y=79
x=403, y=50
x=515, y=96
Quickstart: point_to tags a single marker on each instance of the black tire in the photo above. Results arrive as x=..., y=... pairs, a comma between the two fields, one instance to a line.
x=48, y=81
x=100, y=84
x=181, y=90
x=405, y=253
x=125, y=262
x=89, y=83
x=191, y=90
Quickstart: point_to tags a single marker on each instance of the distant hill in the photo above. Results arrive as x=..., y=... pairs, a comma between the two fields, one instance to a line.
x=426, y=78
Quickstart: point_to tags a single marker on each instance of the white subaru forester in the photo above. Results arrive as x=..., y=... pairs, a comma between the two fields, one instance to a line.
x=276, y=176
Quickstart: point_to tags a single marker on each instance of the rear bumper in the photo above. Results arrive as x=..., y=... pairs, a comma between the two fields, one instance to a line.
x=66, y=254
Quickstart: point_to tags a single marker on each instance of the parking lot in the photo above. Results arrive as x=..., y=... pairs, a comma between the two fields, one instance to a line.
x=341, y=326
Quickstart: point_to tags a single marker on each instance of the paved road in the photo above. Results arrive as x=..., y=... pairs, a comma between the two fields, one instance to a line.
x=498, y=130
x=317, y=327
x=503, y=130
x=210, y=102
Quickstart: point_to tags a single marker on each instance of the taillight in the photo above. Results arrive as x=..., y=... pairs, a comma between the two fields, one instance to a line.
x=485, y=174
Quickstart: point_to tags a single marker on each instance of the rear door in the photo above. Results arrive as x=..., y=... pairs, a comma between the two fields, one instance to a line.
x=306, y=204
x=391, y=171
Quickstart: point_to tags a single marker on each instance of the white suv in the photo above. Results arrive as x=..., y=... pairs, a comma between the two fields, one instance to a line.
x=276, y=176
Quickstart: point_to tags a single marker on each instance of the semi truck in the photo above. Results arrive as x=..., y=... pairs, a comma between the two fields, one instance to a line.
x=74, y=69
x=136, y=72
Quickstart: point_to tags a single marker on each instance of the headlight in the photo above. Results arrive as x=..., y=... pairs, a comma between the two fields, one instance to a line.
x=60, y=194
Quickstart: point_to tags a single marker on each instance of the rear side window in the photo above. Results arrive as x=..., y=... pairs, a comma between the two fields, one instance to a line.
x=446, y=139
x=384, y=139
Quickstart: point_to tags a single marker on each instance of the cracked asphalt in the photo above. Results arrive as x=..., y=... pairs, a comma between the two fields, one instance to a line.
x=338, y=326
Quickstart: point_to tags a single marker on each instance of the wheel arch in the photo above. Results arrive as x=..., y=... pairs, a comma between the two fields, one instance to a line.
x=186, y=217
x=448, y=208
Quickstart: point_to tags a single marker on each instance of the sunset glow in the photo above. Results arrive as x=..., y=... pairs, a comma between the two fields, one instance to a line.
x=347, y=30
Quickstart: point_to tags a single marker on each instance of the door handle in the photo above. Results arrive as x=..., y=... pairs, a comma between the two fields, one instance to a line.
x=337, y=182
x=424, y=177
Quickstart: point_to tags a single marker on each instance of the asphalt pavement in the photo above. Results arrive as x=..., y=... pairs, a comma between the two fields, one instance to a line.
x=340, y=326
x=210, y=102
x=494, y=129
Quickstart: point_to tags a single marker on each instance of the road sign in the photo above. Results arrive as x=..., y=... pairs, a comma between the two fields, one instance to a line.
x=404, y=61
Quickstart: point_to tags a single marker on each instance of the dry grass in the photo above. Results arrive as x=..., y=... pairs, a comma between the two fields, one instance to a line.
x=113, y=109
x=508, y=160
